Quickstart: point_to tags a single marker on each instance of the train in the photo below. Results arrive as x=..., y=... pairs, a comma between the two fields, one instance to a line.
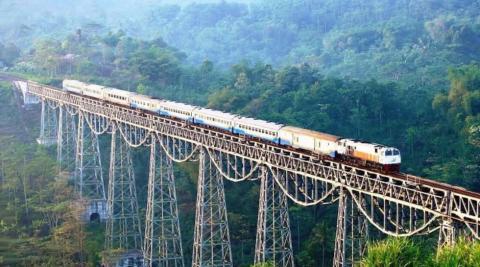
x=326, y=145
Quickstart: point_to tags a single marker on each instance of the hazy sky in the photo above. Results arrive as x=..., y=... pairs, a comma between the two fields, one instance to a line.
x=202, y=1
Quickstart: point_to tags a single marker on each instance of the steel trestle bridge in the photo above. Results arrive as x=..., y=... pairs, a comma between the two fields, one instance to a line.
x=393, y=204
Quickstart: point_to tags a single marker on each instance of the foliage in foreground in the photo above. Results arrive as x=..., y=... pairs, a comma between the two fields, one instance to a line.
x=463, y=253
x=393, y=252
x=264, y=264
x=402, y=252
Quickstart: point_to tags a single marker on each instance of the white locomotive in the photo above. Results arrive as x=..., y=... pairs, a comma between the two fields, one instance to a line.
x=360, y=152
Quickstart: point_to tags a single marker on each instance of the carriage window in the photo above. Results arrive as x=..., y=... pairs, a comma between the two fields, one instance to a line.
x=388, y=152
x=396, y=152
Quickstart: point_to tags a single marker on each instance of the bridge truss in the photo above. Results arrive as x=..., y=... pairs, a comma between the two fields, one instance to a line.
x=393, y=204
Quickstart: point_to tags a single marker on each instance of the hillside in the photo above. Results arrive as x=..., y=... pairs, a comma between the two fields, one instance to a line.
x=413, y=42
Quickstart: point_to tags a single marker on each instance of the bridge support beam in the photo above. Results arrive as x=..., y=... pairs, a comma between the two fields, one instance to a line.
x=66, y=140
x=89, y=184
x=163, y=243
x=211, y=243
x=273, y=242
x=352, y=233
x=446, y=233
x=48, y=125
x=123, y=232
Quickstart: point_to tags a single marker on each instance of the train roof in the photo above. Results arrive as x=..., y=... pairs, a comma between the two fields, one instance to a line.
x=315, y=134
x=141, y=97
x=215, y=113
x=259, y=123
x=366, y=143
x=95, y=87
x=71, y=82
x=119, y=91
x=173, y=104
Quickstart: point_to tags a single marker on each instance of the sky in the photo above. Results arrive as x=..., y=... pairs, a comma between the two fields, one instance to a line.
x=201, y=1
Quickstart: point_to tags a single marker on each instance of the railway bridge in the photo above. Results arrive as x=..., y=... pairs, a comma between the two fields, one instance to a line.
x=393, y=204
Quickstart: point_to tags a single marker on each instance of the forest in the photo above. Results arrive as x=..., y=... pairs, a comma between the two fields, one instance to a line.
x=408, y=41
x=400, y=73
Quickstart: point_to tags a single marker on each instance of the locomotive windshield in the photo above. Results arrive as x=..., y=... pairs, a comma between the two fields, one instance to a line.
x=392, y=152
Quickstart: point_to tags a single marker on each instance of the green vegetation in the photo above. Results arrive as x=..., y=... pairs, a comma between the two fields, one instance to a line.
x=394, y=252
x=265, y=264
x=402, y=252
x=463, y=253
x=406, y=41
x=39, y=225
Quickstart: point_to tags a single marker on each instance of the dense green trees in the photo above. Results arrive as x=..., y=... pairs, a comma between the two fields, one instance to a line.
x=39, y=223
x=408, y=41
x=117, y=60
x=8, y=54
x=460, y=108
